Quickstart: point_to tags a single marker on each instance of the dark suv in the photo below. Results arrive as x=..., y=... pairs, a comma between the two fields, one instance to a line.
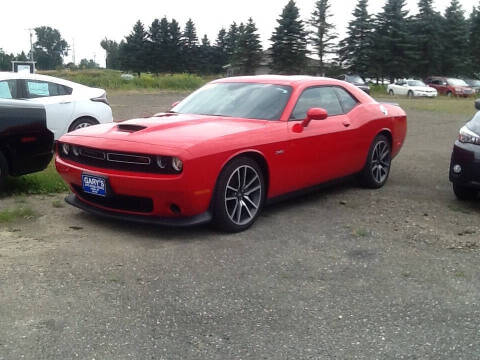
x=465, y=162
x=450, y=86
x=26, y=145
x=356, y=80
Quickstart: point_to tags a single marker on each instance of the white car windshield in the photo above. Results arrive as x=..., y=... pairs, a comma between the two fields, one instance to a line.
x=415, y=83
x=242, y=100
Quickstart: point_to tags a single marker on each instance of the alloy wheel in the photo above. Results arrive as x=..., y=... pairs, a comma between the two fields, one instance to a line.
x=380, y=162
x=82, y=125
x=243, y=195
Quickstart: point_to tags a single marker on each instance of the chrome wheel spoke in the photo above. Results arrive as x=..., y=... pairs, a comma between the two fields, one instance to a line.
x=380, y=161
x=243, y=195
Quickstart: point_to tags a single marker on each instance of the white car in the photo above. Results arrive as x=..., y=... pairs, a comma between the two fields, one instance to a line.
x=411, y=88
x=69, y=106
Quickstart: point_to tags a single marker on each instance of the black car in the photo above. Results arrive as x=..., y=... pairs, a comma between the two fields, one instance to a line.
x=465, y=162
x=26, y=145
x=356, y=80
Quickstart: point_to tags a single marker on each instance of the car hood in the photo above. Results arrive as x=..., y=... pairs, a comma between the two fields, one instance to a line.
x=171, y=130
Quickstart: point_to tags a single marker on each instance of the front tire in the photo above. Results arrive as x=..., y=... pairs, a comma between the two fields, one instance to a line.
x=410, y=94
x=464, y=193
x=391, y=93
x=377, y=169
x=3, y=171
x=82, y=122
x=239, y=195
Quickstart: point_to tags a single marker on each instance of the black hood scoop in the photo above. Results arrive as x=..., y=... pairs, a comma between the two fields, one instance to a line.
x=130, y=127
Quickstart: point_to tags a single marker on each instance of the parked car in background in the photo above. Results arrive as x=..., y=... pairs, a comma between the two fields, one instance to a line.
x=26, y=145
x=68, y=105
x=450, y=86
x=232, y=145
x=411, y=88
x=356, y=80
x=473, y=83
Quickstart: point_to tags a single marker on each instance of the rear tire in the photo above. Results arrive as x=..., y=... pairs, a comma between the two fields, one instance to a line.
x=239, y=195
x=82, y=122
x=377, y=169
x=3, y=171
x=449, y=94
x=464, y=193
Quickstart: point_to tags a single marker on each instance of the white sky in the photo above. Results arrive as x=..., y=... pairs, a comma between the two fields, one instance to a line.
x=88, y=22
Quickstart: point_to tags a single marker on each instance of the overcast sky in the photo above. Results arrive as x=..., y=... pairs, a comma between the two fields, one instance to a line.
x=88, y=22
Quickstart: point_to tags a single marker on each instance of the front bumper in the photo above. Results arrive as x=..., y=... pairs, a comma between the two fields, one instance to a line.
x=420, y=94
x=468, y=157
x=157, y=198
x=74, y=200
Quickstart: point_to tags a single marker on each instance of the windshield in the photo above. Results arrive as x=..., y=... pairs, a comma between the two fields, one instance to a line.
x=472, y=82
x=456, y=82
x=415, y=83
x=243, y=100
x=355, y=79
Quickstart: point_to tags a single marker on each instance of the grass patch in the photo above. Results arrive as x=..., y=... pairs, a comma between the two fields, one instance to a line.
x=111, y=80
x=360, y=233
x=45, y=182
x=11, y=215
x=57, y=204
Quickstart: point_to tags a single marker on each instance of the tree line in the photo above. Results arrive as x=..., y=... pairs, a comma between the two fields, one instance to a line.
x=390, y=44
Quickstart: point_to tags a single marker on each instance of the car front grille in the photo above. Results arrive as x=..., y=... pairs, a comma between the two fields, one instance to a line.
x=108, y=159
x=118, y=202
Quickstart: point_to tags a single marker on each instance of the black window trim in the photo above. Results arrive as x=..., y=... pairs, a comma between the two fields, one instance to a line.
x=339, y=100
x=27, y=94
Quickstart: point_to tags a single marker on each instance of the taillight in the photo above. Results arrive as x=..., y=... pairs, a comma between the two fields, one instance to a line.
x=102, y=98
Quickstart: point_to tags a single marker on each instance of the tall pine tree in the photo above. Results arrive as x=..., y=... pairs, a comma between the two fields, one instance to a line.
x=133, y=52
x=289, y=42
x=248, y=53
x=357, y=48
x=323, y=35
x=474, y=41
x=455, y=41
x=427, y=39
x=159, y=36
x=393, y=47
x=190, y=46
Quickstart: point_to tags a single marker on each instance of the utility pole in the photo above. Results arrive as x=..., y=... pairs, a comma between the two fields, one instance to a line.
x=31, y=44
x=73, y=52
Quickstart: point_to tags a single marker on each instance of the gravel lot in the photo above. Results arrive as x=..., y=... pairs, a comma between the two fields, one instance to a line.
x=343, y=273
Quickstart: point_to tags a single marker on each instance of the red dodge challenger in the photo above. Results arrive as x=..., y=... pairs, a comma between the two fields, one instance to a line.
x=230, y=147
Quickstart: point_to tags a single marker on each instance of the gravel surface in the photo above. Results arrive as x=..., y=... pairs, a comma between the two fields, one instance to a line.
x=343, y=273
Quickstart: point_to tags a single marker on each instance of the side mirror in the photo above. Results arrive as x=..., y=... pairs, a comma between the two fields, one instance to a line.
x=315, y=114
x=477, y=104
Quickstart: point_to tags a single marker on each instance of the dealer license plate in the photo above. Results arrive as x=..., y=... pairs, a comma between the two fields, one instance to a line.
x=95, y=185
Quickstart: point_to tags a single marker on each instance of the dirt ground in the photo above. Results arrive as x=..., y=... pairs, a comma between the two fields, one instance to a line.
x=342, y=273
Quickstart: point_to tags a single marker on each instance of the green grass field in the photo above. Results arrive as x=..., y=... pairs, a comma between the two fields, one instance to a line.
x=111, y=80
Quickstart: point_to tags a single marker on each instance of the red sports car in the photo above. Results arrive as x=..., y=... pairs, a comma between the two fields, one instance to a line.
x=229, y=148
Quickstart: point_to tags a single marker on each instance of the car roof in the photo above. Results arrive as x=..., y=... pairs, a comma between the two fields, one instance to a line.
x=23, y=75
x=276, y=79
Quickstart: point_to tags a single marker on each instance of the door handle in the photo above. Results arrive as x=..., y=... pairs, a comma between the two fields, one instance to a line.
x=346, y=123
x=65, y=102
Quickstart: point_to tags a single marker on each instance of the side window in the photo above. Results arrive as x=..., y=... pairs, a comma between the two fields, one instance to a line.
x=36, y=89
x=317, y=97
x=348, y=101
x=8, y=89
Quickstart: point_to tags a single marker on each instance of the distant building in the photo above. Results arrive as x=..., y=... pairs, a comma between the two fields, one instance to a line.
x=23, y=66
x=265, y=67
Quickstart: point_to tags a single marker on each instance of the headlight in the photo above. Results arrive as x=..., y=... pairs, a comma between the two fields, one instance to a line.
x=161, y=162
x=467, y=136
x=177, y=164
x=75, y=150
x=65, y=148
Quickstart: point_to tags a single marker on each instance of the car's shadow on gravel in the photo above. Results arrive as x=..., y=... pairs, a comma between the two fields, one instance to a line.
x=314, y=197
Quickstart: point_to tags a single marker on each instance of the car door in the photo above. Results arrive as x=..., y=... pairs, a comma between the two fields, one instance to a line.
x=323, y=150
x=58, y=103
